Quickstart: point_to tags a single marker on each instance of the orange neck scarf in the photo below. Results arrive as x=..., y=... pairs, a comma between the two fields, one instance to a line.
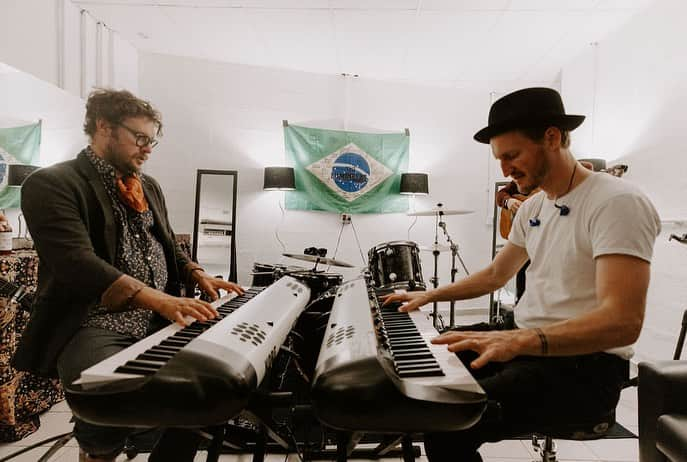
x=131, y=193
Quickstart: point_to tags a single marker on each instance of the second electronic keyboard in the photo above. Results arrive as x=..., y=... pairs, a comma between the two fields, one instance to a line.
x=201, y=374
x=378, y=372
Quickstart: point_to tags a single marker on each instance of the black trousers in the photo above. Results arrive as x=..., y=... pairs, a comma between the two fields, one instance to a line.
x=89, y=346
x=531, y=394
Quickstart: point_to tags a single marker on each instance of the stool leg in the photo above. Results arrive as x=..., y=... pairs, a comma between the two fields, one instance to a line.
x=547, y=450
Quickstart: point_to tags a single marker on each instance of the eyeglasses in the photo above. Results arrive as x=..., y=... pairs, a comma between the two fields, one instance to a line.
x=316, y=252
x=142, y=139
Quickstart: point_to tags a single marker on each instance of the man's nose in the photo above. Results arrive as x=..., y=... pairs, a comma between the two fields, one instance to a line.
x=505, y=168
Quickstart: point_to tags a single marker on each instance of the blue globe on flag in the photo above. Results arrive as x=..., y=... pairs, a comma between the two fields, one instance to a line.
x=350, y=172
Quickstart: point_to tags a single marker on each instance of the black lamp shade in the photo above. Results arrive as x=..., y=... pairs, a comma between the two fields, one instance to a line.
x=279, y=179
x=17, y=173
x=598, y=164
x=414, y=183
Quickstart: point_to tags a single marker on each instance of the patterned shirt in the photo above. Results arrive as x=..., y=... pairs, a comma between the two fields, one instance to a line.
x=139, y=254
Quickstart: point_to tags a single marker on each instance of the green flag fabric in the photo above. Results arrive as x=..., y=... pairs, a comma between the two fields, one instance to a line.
x=341, y=171
x=18, y=145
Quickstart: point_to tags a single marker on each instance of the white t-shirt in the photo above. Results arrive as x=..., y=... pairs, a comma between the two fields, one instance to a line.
x=607, y=215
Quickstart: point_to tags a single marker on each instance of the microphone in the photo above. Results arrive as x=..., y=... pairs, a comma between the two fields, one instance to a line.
x=565, y=210
x=535, y=222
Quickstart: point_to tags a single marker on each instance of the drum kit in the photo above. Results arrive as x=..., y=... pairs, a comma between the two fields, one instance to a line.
x=392, y=266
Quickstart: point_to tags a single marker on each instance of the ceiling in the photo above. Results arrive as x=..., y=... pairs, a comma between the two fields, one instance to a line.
x=442, y=42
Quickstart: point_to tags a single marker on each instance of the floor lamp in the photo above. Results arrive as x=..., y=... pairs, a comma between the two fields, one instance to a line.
x=414, y=184
x=16, y=174
x=279, y=179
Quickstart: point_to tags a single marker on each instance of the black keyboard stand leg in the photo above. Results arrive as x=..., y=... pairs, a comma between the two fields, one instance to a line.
x=260, y=446
x=408, y=451
x=387, y=445
x=342, y=439
x=215, y=444
x=346, y=443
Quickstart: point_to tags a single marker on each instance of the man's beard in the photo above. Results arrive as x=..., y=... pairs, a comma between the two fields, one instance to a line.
x=119, y=162
x=540, y=172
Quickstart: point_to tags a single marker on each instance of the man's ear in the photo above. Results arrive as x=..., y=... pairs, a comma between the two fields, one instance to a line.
x=103, y=126
x=552, y=138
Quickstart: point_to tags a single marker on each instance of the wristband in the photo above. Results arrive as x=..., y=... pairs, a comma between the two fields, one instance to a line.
x=131, y=297
x=543, y=340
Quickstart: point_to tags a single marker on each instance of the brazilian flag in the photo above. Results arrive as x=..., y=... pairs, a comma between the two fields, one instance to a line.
x=346, y=172
x=18, y=145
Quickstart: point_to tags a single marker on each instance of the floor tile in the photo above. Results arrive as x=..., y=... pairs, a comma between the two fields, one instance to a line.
x=625, y=449
x=62, y=406
x=35, y=454
x=507, y=449
x=566, y=450
x=52, y=424
x=628, y=397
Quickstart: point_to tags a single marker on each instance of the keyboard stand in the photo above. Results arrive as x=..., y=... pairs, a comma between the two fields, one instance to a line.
x=388, y=447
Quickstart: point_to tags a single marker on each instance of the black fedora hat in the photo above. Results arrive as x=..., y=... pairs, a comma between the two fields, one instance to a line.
x=527, y=108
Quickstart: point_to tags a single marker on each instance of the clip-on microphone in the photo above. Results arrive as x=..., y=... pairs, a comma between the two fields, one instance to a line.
x=563, y=208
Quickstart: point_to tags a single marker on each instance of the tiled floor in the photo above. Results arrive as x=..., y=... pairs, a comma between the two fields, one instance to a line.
x=626, y=450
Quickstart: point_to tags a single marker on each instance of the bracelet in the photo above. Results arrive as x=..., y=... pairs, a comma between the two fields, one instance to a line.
x=543, y=340
x=198, y=268
x=131, y=297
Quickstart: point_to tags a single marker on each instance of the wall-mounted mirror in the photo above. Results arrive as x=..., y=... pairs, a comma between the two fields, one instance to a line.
x=214, y=226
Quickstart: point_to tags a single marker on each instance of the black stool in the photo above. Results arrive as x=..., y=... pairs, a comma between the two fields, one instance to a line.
x=587, y=429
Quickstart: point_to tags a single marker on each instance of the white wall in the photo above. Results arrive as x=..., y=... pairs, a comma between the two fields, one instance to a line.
x=634, y=88
x=28, y=37
x=223, y=116
x=33, y=34
x=25, y=99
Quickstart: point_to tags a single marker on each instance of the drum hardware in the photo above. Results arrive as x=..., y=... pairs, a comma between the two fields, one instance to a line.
x=454, y=270
x=439, y=213
x=432, y=248
x=436, y=211
x=681, y=239
x=317, y=260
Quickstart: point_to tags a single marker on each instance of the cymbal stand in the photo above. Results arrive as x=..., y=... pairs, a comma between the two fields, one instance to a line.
x=454, y=270
x=437, y=321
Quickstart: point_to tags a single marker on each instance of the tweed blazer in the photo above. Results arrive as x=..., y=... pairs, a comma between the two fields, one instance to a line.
x=69, y=215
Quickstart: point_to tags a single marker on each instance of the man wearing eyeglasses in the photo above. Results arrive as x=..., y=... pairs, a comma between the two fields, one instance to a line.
x=110, y=269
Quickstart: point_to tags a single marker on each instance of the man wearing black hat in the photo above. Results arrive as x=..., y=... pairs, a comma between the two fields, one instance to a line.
x=590, y=240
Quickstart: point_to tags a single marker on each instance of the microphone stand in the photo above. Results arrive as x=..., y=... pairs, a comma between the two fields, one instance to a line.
x=454, y=270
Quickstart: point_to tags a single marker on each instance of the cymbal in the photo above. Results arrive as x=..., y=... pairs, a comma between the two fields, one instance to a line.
x=316, y=259
x=433, y=247
x=436, y=212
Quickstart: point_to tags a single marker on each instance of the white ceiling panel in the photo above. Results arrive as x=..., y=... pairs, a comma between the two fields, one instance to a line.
x=552, y=5
x=227, y=35
x=444, y=43
x=465, y=5
x=135, y=22
x=374, y=4
x=424, y=41
x=371, y=42
x=302, y=40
